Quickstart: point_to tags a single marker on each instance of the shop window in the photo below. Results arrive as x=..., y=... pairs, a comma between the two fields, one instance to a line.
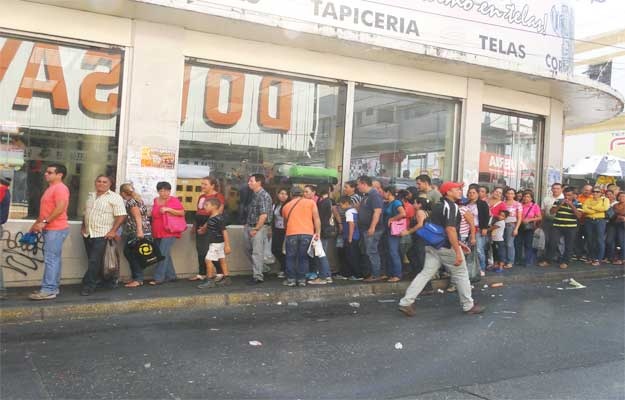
x=401, y=136
x=509, y=150
x=58, y=104
x=236, y=123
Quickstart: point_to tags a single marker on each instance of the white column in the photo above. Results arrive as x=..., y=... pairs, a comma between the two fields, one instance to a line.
x=155, y=96
x=471, y=133
x=553, y=146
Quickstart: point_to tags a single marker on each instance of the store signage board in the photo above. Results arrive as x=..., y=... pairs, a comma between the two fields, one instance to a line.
x=50, y=87
x=532, y=36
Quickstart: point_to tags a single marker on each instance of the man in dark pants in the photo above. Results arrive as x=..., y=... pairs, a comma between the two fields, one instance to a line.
x=105, y=212
x=565, y=223
x=370, y=225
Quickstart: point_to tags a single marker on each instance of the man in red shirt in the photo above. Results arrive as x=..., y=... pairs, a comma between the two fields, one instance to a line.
x=52, y=223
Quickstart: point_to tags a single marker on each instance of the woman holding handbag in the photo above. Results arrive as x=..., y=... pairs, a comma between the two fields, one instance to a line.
x=137, y=227
x=395, y=218
x=167, y=224
x=531, y=216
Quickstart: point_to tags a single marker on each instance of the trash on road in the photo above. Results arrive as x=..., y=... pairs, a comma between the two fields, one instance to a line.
x=354, y=304
x=147, y=365
x=587, y=301
x=279, y=303
x=292, y=303
x=491, y=324
x=399, y=346
x=509, y=312
x=214, y=329
x=573, y=284
x=560, y=288
x=496, y=285
x=386, y=301
x=255, y=343
x=440, y=291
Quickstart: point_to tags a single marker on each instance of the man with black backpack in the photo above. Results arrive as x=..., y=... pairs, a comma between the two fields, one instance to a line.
x=450, y=254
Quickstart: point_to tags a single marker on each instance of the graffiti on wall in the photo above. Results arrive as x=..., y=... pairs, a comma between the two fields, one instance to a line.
x=21, y=258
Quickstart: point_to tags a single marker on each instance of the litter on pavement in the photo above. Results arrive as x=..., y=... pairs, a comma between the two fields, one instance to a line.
x=255, y=343
x=354, y=304
x=497, y=285
x=399, y=346
x=573, y=284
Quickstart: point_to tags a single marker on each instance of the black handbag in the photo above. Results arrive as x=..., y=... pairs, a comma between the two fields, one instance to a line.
x=145, y=252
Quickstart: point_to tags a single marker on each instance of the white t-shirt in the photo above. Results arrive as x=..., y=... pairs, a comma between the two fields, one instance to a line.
x=498, y=233
x=350, y=214
x=548, y=203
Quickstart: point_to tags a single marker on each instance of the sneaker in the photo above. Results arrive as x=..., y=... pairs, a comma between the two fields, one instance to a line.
x=409, y=311
x=564, y=266
x=355, y=278
x=281, y=275
x=310, y=276
x=255, y=281
x=301, y=283
x=318, y=281
x=543, y=264
x=476, y=309
x=329, y=280
x=451, y=289
x=289, y=282
x=42, y=296
x=224, y=281
x=482, y=273
x=219, y=277
x=340, y=277
x=207, y=284
x=87, y=291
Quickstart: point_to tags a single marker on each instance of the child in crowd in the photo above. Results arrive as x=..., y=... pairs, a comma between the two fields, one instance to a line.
x=219, y=246
x=351, y=236
x=499, y=247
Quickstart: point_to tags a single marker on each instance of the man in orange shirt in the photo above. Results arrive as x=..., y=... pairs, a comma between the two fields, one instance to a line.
x=52, y=224
x=302, y=223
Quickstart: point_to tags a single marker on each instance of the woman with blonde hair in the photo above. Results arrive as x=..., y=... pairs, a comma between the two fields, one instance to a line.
x=137, y=227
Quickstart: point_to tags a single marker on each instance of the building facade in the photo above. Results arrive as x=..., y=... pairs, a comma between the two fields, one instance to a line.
x=173, y=90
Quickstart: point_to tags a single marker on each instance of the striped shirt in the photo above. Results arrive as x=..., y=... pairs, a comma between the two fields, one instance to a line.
x=565, y=217
x=100, y=213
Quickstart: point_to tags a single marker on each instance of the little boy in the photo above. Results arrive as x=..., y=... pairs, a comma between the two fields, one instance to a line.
x=218, y=248
x=351, y=236
x=499, y=247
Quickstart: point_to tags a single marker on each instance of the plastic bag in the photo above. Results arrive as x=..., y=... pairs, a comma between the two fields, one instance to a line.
x=538, y=240
x=110, y=268
x=316, y=249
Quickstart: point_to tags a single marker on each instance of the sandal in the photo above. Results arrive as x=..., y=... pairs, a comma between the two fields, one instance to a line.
x=155, y=283
x=197, y=277
x=617, y=262
x=133, y=284
x=508, y=266
x=394, y=279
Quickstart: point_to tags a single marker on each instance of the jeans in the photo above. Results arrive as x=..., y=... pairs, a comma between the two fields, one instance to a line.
x=509, y=242
x=297, y=256
x=620, y=239
x=526, y=238
x=371, y=248
x=595, y=230
x=321, y=264
x=164, y=270
x=480, y=249
x=352, y=255
x=569, y=235
x=433, y=260
x=394, y=255
x=255, y=249
x=277, y=240
x=95, y=257
x=2, y=288
x=135, y=267
x=499, y=251
x=610, y=241
x=384, y=255
x=416, y=254
x=52, y=249
x=581, y=241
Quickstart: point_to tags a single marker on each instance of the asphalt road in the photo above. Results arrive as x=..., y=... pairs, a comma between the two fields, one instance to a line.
x=533, y=342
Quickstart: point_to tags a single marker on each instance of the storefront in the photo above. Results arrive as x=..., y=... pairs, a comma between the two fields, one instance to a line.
x=156, y=90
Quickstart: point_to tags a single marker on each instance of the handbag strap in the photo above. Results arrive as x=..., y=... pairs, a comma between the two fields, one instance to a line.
x=286, y=220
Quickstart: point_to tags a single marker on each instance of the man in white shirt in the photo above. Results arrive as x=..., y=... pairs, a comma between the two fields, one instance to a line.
x=547, y=223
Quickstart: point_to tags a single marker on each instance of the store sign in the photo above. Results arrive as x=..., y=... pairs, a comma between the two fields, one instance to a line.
x=535, y=36
x=496, y=164
x=49, y=87
x=237, y=108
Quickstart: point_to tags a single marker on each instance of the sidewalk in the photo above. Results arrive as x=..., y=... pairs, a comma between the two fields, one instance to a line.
x=184, y=294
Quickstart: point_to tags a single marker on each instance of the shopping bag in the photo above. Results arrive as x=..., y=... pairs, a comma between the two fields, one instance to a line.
x=398, y=226
x=538, y=240
x=110, y=267
x=473, y=265
x=316, y=249
x=146, y=252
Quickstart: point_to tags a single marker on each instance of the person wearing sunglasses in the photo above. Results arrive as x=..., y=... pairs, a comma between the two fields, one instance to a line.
x=595, y=211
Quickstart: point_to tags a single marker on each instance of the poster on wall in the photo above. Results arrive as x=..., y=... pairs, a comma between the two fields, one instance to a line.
x=158, y=158
x=144, y=172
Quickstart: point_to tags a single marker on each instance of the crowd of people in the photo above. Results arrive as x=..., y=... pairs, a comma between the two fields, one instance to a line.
x=377, y=232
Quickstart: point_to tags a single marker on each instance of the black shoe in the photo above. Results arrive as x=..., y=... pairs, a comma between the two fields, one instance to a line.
x=255, y=281
x=87, y=291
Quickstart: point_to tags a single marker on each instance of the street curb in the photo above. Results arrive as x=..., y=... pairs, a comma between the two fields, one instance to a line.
x=41, y=312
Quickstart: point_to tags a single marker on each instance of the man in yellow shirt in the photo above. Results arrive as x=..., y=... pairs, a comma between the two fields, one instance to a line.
x=595, y=209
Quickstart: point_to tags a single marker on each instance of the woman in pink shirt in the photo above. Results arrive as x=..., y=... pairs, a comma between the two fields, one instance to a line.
x=164, y=204
x=513, y=222
x=531, y=216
